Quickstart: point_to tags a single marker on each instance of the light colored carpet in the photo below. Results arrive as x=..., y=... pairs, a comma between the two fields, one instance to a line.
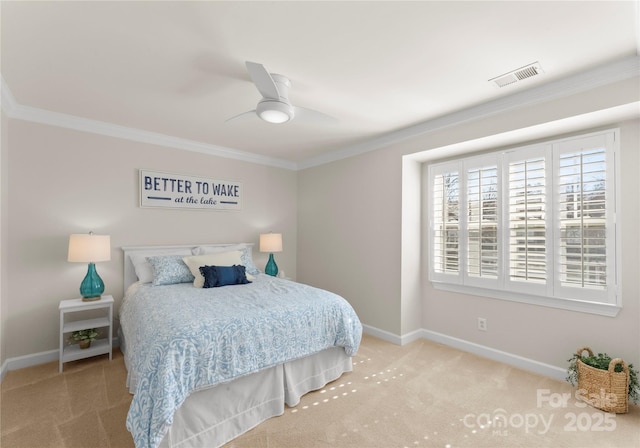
x=419, y=395
x=429, y=395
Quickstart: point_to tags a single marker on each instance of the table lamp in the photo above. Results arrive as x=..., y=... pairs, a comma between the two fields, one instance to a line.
x=271, y=242
x=90, y=248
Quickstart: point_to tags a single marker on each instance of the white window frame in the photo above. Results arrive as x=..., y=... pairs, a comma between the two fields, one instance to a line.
x=552, y=294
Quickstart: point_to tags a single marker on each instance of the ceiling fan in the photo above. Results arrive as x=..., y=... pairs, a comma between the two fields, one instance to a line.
x=275, y=107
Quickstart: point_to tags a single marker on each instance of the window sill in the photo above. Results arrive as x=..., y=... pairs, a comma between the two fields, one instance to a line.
x=602, y=309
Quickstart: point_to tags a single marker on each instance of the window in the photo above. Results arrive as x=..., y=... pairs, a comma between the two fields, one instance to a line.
x=446, y=218
x=482, y=201
x=534, y=224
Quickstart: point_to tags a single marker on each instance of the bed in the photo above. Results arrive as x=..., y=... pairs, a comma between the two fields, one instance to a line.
x=206, y=364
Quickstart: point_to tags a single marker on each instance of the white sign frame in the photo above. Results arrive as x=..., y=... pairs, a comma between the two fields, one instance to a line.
x=159, y=189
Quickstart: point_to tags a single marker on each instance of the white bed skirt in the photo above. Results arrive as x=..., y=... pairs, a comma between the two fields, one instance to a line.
x=214, y=416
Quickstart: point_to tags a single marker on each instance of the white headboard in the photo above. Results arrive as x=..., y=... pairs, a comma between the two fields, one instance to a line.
x=130, y=276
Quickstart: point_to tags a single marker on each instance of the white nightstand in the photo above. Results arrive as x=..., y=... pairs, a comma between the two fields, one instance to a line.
x=99, y=346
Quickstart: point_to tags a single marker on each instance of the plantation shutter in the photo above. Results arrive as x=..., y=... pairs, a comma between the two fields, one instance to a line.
x=483, y=216
x=446, y=222
x=585, y=211
x=527, y=219
x=527, y=213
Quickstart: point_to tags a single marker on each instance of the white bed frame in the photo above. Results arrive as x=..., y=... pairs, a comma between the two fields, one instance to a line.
x=214, y=416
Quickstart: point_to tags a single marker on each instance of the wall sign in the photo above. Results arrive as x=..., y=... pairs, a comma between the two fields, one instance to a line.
x=167, y=190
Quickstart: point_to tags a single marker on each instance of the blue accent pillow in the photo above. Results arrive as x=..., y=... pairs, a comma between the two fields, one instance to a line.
x=215, y=276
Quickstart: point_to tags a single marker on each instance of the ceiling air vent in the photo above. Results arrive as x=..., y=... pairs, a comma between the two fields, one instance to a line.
x=519, y=74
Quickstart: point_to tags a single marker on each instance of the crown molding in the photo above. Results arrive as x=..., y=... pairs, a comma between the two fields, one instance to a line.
x=32, y=114
x=600, y=76
x=576, y=123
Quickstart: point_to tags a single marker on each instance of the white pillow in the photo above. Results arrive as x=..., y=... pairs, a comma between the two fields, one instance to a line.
x=216, y=249
x=218, y=259
x=144, y=270
x=246, y=257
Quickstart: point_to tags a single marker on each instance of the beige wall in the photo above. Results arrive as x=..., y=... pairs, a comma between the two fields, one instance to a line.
x=352, y=235
x=63, y=181
x=349, y=214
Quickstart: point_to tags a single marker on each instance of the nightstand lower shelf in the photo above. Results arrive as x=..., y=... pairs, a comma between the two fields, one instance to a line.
x=74, y=352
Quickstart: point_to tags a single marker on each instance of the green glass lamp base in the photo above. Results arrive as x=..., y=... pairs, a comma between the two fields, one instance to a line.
x=92, y=286
x=271, y=268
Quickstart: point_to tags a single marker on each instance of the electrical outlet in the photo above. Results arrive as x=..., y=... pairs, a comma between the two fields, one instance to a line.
x=482, y=324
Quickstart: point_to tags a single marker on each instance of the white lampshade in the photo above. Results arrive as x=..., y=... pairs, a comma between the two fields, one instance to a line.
x=89, y=248
x=271, y=242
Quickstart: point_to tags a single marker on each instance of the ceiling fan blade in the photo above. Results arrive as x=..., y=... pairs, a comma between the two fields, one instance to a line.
x=263, y=80
x=242, y=115
x=310, y=115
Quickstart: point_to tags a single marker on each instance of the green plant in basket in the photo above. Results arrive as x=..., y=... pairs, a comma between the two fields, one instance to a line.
x=602, y=361
x=85, y=335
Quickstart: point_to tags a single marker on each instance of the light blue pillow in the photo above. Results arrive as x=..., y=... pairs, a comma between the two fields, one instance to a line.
x=247, y=261
x=169, y=269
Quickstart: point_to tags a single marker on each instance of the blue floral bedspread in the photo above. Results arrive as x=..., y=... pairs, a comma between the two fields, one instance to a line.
x=180, y=339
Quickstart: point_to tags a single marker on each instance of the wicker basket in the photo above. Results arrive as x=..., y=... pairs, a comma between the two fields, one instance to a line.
x=604, y=389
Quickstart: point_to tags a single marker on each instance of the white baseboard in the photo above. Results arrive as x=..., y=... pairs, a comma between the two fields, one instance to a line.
x=413, y=336
x=20, y=362
x=382, y=334
x=498, y=355
x=392, y=337
x=471, y=347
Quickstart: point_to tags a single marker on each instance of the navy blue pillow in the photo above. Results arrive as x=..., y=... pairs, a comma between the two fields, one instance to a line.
x=215, y=276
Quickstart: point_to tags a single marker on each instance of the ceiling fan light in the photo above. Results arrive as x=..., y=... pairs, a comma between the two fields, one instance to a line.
x=274, y=116
x=275, y=112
